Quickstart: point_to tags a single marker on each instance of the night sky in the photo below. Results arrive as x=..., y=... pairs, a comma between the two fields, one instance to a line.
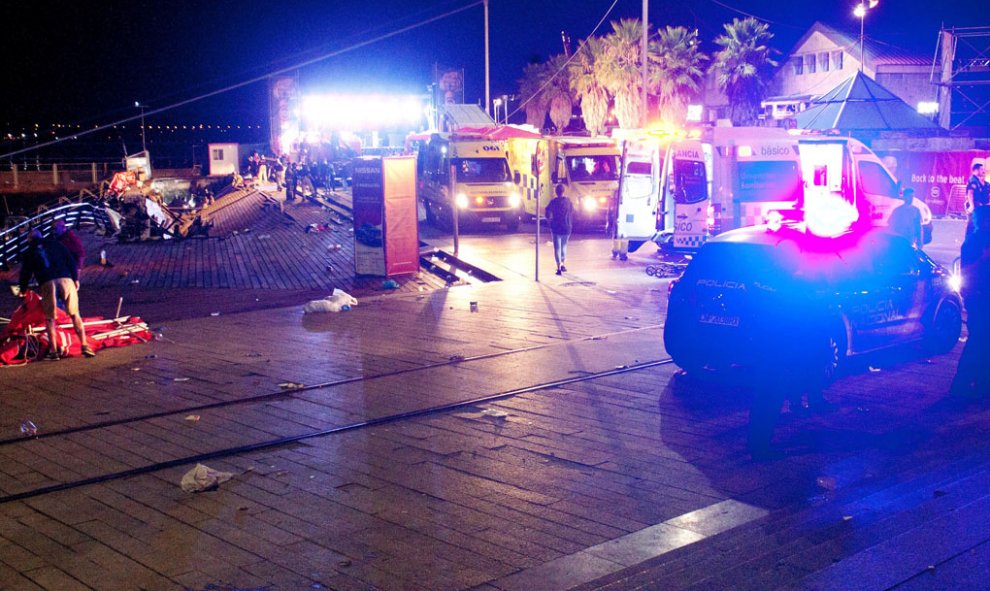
x=87, y=62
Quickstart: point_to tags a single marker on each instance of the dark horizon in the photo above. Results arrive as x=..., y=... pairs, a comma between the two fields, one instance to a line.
x=94, y=60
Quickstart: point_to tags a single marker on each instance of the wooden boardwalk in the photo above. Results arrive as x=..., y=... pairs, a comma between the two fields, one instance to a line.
x=257, y=256
x=529, y=445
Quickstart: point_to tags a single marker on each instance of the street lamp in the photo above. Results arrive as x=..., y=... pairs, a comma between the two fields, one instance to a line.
x=140, y=105
x=860, y=11
x=498, y=103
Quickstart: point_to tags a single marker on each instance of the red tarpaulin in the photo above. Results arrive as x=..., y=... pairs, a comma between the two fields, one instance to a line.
x=25, y=339
x=501, y=132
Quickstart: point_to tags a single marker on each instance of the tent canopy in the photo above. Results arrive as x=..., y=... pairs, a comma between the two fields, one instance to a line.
x=861, y=104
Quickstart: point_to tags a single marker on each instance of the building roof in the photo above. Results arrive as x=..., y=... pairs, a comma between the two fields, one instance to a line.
x=458, y=116
x=861, y=104
x=878, y=53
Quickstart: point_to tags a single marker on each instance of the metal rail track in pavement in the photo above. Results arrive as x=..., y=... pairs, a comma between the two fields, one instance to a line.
x=282, y=441
x=282, y=394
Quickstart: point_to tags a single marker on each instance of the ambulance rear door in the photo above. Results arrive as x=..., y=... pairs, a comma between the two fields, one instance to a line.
x=639, y=189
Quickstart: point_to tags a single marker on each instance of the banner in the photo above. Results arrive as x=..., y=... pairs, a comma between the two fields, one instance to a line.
x=283, y=99
x=449, y=85
x=368, y=204
x=938, y=178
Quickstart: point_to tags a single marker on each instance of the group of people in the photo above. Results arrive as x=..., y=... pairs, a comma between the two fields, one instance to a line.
x=55, y=263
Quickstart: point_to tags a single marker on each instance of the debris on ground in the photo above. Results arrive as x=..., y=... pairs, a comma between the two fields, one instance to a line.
x=193, y=418
x=495, y=414
x=291, y=385
x=390, y=284
x=338, y=301
x=180, y=379
x=203, y=478
x=874, y=369
x=28, y=428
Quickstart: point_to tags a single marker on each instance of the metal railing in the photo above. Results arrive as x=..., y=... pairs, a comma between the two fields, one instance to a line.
x=14, y=240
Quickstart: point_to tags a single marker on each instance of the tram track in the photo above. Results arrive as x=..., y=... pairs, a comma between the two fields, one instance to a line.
x=286, y=440
x=291, y=393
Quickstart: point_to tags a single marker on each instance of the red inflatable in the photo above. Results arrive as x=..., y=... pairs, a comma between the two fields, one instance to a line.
x=25, y=339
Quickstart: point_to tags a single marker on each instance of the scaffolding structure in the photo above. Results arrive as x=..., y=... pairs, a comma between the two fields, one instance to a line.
x=961, y=71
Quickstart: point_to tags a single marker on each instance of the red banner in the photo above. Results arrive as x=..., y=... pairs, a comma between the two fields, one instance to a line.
x=938, y=178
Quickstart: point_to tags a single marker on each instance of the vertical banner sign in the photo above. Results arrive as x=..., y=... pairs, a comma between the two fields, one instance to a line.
x=449, y=85
x=368, y=206
x=283, y=99
x=401, y=228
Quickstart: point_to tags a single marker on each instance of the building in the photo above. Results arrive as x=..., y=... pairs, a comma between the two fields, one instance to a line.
x=823, y=58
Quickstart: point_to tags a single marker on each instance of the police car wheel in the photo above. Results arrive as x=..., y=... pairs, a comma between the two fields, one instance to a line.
x=834, y=354
x=943, y=334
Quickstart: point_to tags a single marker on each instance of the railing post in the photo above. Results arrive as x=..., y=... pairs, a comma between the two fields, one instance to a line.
x=54, y=174
x=13, y=169
x=92, y=167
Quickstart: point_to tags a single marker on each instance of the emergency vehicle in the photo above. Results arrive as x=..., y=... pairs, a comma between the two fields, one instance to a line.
x=732, y=177
x=780, y=293
x=469, y=171
x=727, y=178
x=588, y=168
x=639, y=197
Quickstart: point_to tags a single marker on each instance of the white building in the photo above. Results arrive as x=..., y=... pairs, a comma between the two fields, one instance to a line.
x=824, y=57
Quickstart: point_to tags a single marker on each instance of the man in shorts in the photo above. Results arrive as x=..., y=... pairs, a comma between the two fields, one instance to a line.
x=57, y=273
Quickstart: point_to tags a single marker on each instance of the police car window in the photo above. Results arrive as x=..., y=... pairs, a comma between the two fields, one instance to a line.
x=744, y=262
x=876, y=180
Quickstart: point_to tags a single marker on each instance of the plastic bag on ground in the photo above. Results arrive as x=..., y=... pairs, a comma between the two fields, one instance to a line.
x=203, y=478
x=335, y=302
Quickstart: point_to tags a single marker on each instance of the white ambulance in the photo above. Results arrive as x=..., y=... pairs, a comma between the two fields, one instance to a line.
x=469, y=171
x=588, y=168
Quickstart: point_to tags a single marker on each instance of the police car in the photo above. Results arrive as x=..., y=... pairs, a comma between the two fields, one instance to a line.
x=777, y=292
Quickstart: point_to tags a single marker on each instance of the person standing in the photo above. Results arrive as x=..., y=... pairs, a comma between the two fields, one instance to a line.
x=977, y=193
x=68, y=238
x=973, y=374
x=905, y=220
x=560, y=214
x=58, y=277
x=290, y=180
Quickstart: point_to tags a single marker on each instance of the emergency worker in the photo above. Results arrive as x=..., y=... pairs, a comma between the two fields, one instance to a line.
x=973, y=372
x=977, y=193
x=290, y=180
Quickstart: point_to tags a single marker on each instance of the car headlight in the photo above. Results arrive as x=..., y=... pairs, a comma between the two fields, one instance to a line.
x=955, y=282
x=461, y=201
x=589, y=204
x=514, y=200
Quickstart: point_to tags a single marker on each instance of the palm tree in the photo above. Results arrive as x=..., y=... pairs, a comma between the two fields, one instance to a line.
x=743, y=66
x=530, y=91
x=677, y=74
x=620, y=73
x=586, y=84
x=557, y=91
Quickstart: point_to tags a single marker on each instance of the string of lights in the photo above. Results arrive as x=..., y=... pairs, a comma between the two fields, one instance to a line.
x=250, y=81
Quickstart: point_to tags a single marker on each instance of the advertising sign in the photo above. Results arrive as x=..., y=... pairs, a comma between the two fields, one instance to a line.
x=938, y=178
x=283, y=99
x=368, y=206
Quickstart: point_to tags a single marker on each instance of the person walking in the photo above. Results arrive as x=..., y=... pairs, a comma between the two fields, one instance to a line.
x=905, y=220
x=973, y=374
x=977, y=194
x=58, y=277
x=560, y=214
